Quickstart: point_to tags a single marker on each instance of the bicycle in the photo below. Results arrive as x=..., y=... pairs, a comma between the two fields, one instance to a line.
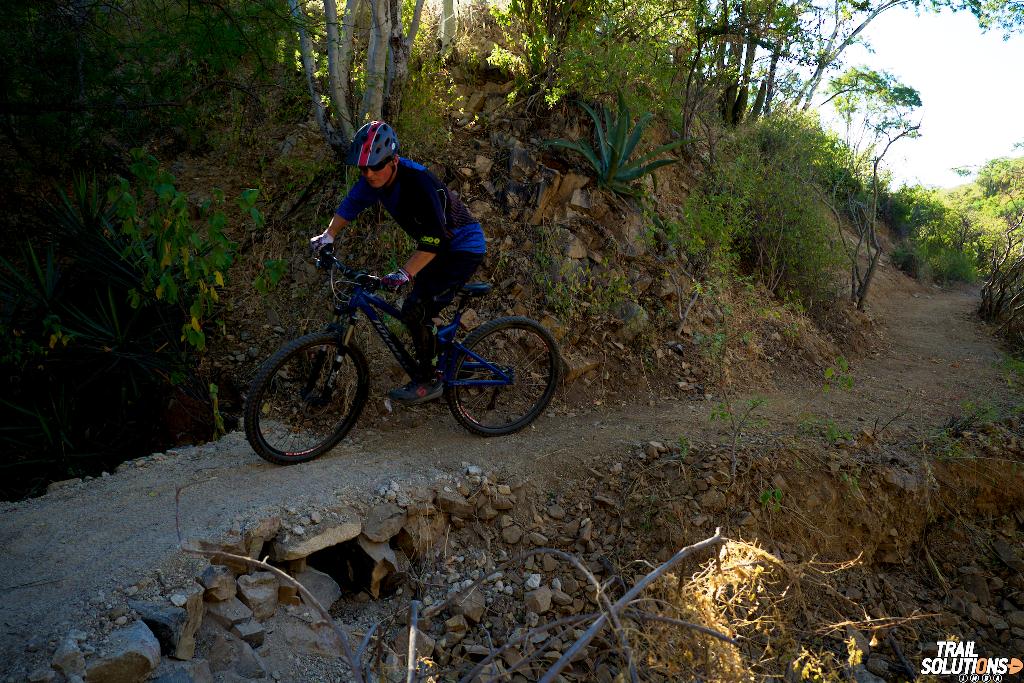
x=306, y=397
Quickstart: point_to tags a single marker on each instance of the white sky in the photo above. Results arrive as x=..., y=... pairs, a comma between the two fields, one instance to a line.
x=970, y=84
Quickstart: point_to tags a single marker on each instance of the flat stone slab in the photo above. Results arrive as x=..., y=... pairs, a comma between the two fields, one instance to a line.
x=338, y=526
x=229, y=612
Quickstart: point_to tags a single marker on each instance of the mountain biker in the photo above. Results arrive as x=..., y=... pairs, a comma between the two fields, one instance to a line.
x=449, y=241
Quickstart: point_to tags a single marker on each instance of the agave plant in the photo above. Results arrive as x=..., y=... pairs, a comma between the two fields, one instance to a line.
x=616, y=139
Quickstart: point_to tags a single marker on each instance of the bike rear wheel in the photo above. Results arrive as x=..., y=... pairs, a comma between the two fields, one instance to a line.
x=524, y=349
x=305, y=398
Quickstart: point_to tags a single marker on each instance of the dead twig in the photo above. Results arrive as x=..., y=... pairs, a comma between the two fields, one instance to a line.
x=601, y=596
x=907, y=669
x=410, y=669
x=571, y=620
x=647, y=616
x=876, y=431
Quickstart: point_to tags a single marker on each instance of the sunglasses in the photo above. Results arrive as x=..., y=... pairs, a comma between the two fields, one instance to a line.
x=379, y=166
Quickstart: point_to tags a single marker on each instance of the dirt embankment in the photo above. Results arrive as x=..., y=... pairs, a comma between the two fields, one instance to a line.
x=847, y=488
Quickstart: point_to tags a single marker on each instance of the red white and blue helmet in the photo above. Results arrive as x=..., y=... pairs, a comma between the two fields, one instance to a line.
x=375, y=142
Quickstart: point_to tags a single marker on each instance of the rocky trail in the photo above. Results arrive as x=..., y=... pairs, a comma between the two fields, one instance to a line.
x=67, y=553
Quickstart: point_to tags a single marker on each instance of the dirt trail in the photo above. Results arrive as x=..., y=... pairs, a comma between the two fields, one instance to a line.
x=64, y=553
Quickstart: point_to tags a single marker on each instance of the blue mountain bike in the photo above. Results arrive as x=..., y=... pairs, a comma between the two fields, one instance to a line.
x=308, y=395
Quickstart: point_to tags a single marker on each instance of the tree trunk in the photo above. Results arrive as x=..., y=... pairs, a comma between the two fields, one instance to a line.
x=339, y=61
x=740, y=109
x=689, y=106
x=331, y=135
x=831, y=53
x=447, y=24
x=376, y=60
x=398, y=63
x=401, y=48
x=872, y=220
x=770, y=92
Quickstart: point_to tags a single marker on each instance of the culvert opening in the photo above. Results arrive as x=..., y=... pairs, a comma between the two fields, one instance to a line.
x=359, y=566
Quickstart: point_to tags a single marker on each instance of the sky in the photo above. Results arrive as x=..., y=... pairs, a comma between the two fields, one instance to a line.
x=970, y=85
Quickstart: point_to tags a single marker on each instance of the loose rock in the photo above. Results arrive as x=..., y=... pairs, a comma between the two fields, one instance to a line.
x=259, y=592
x=130, y=655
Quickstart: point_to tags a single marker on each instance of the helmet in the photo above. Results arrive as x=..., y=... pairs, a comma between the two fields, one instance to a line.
x=373, y=143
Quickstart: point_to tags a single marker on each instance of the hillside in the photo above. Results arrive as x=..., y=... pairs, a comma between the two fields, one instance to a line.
x=75, y=556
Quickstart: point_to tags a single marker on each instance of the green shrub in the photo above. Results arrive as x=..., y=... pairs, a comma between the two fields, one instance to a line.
x=140, y=71
x=182, y=257
x=88, y=371
x=908, y=256
x=615, y=140
x=105, y=325
x=759, y=206
x=949, y=265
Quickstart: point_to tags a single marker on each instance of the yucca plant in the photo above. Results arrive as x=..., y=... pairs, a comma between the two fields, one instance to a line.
x=616, y=139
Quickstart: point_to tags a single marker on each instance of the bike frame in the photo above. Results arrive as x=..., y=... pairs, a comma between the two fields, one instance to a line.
x=451, y=350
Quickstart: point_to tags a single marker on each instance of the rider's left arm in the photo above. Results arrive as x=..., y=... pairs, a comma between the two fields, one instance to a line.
x=417, y=261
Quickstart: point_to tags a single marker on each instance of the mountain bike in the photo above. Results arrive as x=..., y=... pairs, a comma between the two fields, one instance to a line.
x=306, y=397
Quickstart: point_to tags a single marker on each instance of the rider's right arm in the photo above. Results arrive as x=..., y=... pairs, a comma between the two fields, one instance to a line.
x=357, y=199
x=360, y=197
x=336, y=225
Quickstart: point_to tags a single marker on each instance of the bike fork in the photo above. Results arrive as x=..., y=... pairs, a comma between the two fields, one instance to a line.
x=327, y=388
x=339, y=358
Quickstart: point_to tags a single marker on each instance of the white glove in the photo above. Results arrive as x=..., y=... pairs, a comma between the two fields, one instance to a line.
x=320, y=241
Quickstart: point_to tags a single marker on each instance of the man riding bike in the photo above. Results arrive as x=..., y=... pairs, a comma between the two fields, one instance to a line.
x=449, y=241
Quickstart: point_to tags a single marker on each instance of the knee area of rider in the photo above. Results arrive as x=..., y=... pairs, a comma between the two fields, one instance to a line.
x=414, y=312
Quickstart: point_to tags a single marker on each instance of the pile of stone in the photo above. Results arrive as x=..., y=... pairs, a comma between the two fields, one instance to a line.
x=231, y=601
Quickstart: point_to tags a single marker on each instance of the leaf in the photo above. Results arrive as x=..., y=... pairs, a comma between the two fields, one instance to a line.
x=249, y=197
x=218, y=278
x=635, y=173
x=599, y=134
x=634, y=138
x=580, y=148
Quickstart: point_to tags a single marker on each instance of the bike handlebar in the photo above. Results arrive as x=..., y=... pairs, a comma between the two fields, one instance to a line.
x=326, y=260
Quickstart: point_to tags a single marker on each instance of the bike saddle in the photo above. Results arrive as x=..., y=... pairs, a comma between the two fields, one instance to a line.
x=472, y=289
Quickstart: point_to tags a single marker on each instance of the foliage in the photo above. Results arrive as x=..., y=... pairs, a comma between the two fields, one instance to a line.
x=615, y=140
x=641, y=67
x=101, y=76
x=877, y=111
x=576, y=292
x=182, y=258
x=757, y=205
x=105, y=324
x=273, y=271
x=833, y=433
x=877, y=96
x=428, y=96
x=838, y=374
x=943, y=242
x=89, y=371
x=535, y=34
x=951, y=235
x=771, y=499
x=1001, y=204
x=909, y=257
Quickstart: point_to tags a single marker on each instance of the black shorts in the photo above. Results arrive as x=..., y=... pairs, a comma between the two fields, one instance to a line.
x=437, y=284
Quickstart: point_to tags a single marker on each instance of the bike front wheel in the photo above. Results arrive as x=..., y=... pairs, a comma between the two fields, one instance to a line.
x=305, y=398
x=518, y=369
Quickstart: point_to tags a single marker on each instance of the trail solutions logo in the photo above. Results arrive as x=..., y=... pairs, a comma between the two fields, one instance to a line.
x=961, y=659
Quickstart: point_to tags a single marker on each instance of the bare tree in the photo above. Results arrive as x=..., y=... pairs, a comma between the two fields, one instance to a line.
x=388, y=50
x=867, y=229
x=876, y=109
